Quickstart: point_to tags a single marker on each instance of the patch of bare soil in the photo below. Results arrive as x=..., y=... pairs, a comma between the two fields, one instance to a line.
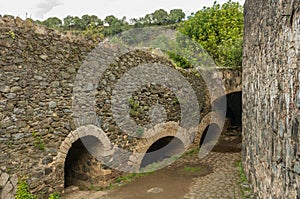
x=230, y=141
x=170, y=182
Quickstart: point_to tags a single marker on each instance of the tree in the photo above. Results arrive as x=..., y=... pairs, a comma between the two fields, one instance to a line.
x=115, y=25
x=219, y=30
x=94, y=32
x=52, y=22
x=78, y=25
x=111, y=19
x=176, y=15
x=142, y=21
x=86, y=21
x=138, y=22
x=148, y=19
x=95, y=20
x=68, y=22
x=160, y=16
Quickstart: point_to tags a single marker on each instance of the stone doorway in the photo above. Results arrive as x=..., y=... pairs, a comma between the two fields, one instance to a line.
x=162, y=149
x=234, y=108
x=82, y=169
x=229, y=139
x=214, y=132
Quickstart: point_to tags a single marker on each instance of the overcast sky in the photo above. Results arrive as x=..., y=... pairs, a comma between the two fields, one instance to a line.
x=42, y=9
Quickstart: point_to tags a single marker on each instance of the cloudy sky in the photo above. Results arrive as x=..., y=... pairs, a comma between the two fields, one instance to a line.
x=42, y=9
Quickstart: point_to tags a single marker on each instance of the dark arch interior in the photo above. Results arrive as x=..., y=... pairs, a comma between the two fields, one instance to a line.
x=163, y=148
x=231, y=137
x=80, y=165
x=234, y=107
x=214, y=131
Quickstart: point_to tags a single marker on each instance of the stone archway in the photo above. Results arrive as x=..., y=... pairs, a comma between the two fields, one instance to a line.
x=170, y=134
x=163, y=130
x=209, y=119
x=162, y=149
x=233, y=107
x=214, y=134
x=226, y=130
x=81, y=168
x=81, y=154
x=231, y=136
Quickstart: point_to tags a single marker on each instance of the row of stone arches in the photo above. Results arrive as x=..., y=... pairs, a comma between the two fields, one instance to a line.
x=81, y=167
x=82, y=149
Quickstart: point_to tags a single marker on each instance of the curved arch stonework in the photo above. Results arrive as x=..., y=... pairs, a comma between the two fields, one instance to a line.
x=233, y=90
x=160, y=131
x=227, y=91
x=163, y=130
x=210, y=118
x=83, y=131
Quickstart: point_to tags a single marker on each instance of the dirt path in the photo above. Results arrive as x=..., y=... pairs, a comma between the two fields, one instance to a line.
x=170, y=182
x=173, y=181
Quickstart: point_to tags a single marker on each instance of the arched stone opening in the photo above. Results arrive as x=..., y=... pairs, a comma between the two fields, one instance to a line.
x=163, y=149
x=223, y=141
x=233, y=107
x=214, y=131
x=81, y=156
x=210, y=118
x=82, y=169
x=230, y=139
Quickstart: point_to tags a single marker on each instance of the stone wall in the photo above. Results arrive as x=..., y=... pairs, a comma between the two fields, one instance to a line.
x=271, y=96
x=8, y=184
x=38, y=68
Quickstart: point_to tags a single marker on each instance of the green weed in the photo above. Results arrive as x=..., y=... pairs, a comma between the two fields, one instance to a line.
x=11, y=34
x=23, y=191
x=246, y=192
x=191, y=169
x=38, y=142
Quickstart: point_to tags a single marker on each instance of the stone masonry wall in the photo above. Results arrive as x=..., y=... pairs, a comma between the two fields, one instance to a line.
x=38, y=67
x=271, y=98
x=8, y=185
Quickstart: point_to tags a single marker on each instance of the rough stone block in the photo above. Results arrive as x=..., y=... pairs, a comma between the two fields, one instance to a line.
x=3, y=179
x=6, y=191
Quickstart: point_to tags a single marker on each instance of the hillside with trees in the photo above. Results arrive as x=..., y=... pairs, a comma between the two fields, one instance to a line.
x=218, y=29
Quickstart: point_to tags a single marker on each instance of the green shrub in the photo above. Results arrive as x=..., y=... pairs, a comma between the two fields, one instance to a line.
x=54, y=196
x=23, y=191
x=219, y=30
